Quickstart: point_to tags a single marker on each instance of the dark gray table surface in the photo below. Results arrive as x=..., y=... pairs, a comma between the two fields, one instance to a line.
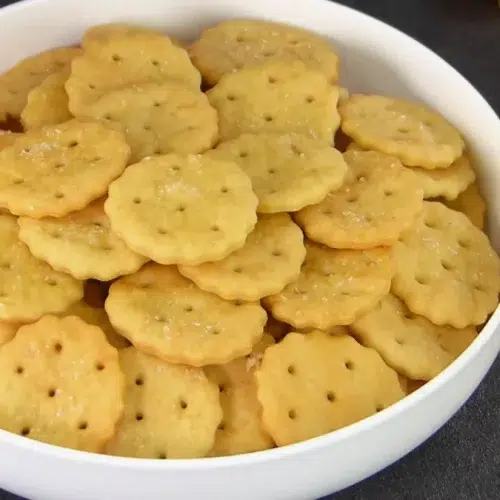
x=462, y=461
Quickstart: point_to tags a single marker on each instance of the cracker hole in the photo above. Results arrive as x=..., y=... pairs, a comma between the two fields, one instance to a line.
x=361, y=177
x=19, y=370
x=421, y=280
x=25, y=431
x=409, y=315
x=330, y=396
x=238, y=270
x=349, y=365
x=291, y=370
x=176, y=168
x=147, y=128
x=272, y=79
x=294, y=42
x=214, y=331
x=58, y=347
x=295, y=150
x=156, y=104
x=181, y=208
x=96, y=159
x=51, y=282
x=7, y=266
x=271, y=171
x=379, y=408
x=139, y=381
x=160, y=319
x=51, y=393
x=137, y=201
x=268, y=53
x=83, y=425
x=155, y=62
x=91, y=86
x=243, y=154
x=116, y=58
x=162, y=231
x=183, y=404
x=310, y=99
x=107, y=116
x=268, y=118
x=447, y=265
x=221, y=426
x=430, y=224
x=17, y=182
x=157, y=151
x=224, y=190
x=27, y=150
x=162, y=456
x=399, y=341
x=188, y=309
x=327, y=212
x=369, y=218
x=403, y=130
x=72, y=144
x=388, y=193
x=59, y=195
x=238, y=303
x=59, y=166
x=231, y=97
x=352, y=198
x=479, y=287
x=139, y=416
x=240, y=39
x=277, y=253
x=99, y=367
x=292, y=414
x=215, y=228
x=464, y=243
x=222, y=388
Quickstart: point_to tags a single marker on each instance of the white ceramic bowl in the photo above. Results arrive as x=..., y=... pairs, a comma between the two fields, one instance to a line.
x=375, y=57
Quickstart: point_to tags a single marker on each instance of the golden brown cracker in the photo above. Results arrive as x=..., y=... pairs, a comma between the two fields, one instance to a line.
x=288, y=171
x=312, y=384
x=164, y=314
x=171, y=411
x=239, y=43
x=182, y=209
x=81, y=244
x=60, y=168
x=30, y=288
x=61, y=384
x=410, y=344
x=158, y=118
x=334, y=287
x=276, y=97
x=240, y=430
x=47, y=104
x=18, y=81
x=447, y=270
x=417, y=135
x=126, y=59
x=379, y=199
x=471, y=203
x=270, y=259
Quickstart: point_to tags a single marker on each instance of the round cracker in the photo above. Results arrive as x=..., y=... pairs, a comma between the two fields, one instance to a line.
x=125, y=59
x=47, y=104
x=311, y=384
x=410, y=344
x=30, y=288
x=470, y=203
x=276, y=97
x=98, y=317
x=164, y=314
x=81, y=244
x=240, y=430
x=417, y=135
x=378, y=201
x=171, y=411
x=270, y=259
x=158, y=118
x=334, y=287
x=61, y=384
x=18, y=81
x=447, y=270
x=288, y=171
x=182, y=209
x=239, y=43
x=60, y=168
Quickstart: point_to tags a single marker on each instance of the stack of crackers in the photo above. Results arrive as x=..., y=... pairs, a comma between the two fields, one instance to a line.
x=190, y=273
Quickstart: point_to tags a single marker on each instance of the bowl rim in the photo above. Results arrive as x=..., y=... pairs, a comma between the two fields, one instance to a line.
x=316, y=443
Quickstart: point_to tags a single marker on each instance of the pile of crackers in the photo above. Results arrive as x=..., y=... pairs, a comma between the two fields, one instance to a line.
x=188, y=273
